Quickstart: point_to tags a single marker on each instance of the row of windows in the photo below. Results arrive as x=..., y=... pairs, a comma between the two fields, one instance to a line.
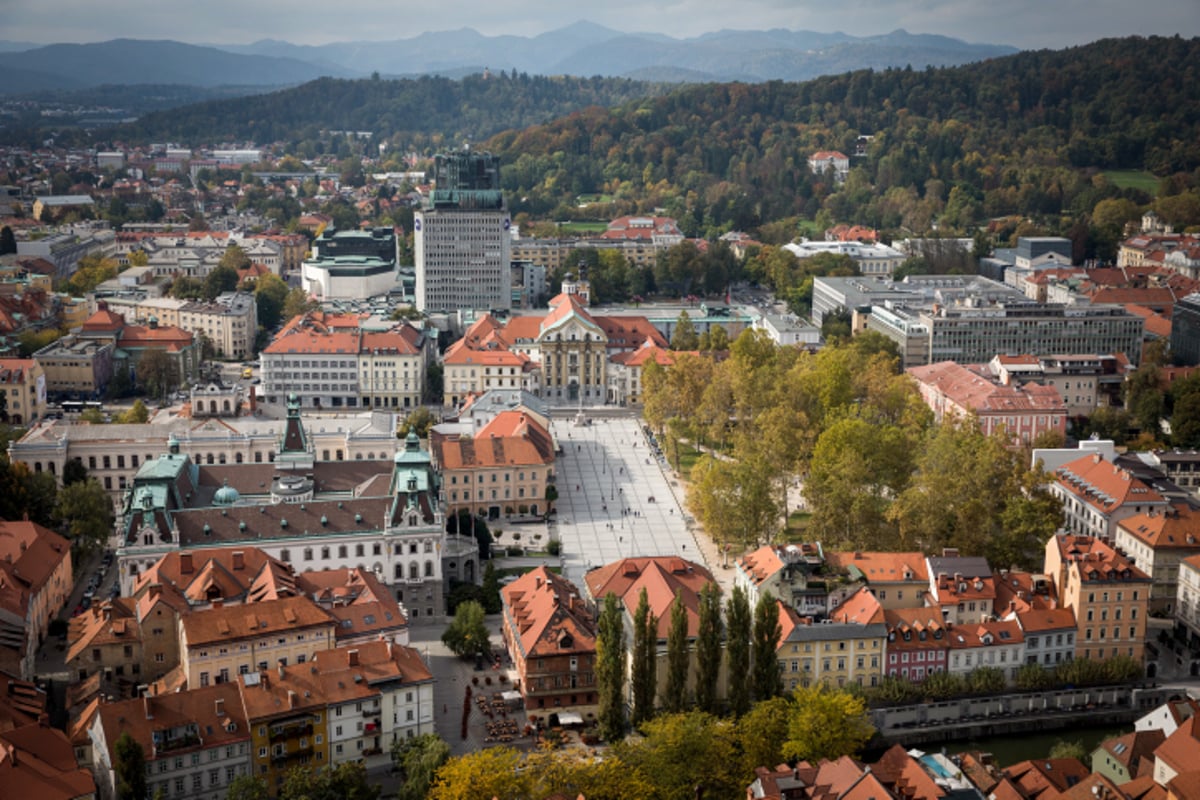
x=507, y=477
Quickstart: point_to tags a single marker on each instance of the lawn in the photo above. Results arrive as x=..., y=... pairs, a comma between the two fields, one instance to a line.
x=688, y=456
x=1133, y=179
x=582, y=227
x=796, y=525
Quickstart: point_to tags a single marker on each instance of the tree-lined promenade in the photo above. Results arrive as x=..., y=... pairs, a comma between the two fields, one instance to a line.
x=877, y=473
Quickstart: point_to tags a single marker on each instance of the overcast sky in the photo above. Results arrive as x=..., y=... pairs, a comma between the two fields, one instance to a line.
x=1022, y=23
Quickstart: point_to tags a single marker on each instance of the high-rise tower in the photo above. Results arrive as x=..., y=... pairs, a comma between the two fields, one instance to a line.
x=461, y=236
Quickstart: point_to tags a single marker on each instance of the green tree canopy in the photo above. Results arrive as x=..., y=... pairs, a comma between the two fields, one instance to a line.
x=467, y=634
x=610, y=669
x=87, y=510
x=129, y=765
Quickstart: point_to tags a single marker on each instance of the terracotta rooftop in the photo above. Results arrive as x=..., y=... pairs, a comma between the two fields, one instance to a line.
x=1096, y=561
x=664, y=577
x=883, y=568
x=37, y=761
x=238, y=622
x=511, y=438
x=1103, y=485
x=547, y=615
x=1176, y=527
x=969, y=389
x=214, y=711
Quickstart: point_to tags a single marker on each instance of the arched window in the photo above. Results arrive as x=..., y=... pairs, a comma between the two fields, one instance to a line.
x=414, y=571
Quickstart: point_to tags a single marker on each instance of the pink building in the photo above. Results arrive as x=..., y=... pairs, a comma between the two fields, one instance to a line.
x=1025, y=411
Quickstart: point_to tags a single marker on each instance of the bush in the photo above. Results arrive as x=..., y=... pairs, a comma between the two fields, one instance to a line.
x=515, y=551
x=554, y=547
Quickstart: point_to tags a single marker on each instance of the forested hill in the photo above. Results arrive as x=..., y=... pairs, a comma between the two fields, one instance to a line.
x=999, y=137
x=413, y=110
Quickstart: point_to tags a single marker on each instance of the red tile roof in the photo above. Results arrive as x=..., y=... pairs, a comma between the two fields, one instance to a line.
x=969, y=389
x=547, y=615
x=1102, y=484
x=663, y=577
x=1177, y=527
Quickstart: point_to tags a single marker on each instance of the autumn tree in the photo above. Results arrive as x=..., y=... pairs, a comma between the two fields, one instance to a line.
x=763, y=730
x=89, y=273
x=826, y=723
x=610, y=669
x=158, y=372
x=684, y=337
x=8, y=242
x=644, y=673
x=675, y=692
x=421, y=419
x=685, y=755
x=733, y=500
x=708, y=648
x=857, y=467
x=737, y=650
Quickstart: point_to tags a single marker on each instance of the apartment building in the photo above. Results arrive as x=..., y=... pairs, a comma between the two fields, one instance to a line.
x=504, y=469
x=345, y=365
x=551, y=634
x=1108, y=594
x=401, y=681
x=23, y=385
x=795, y=575
x=218, y=644
x=918, y=643
x=849, y=647
x=287, y=714
x=898, y=580
x=196, y=742
x=962, y=587
x=1097, y=494
x=36, y=578
x=1157, y=542
x=1023, y=411
x=991, y=644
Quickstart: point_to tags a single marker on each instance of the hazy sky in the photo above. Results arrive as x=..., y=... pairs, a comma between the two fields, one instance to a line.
x=1022, y=23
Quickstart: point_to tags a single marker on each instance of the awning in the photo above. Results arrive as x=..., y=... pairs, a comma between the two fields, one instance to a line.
x=569, y=718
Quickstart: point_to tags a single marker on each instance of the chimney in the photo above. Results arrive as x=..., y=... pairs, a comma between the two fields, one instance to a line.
x=291, y=699
x=146, y=704
x=220, y=706
x=280, y=668
x=185, y=563
x=239, y=560
x=353, y=658
x=218, y=603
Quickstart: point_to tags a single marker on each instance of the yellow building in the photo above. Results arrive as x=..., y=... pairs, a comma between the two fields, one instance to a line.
x=1109, y=595
x=286, y=711
x=219, y=644
x=23, y=385
x=846, y=649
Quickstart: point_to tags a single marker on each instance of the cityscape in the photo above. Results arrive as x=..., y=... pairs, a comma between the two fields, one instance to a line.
x=716, y=428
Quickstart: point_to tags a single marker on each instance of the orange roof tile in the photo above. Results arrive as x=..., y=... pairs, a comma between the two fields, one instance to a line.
x=663, y=577
x=1103, y=485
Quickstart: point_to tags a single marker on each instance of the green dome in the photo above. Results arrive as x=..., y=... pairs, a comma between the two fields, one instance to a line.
x=226, y=495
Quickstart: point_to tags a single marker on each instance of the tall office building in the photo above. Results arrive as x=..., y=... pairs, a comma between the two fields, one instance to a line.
x=461, y=236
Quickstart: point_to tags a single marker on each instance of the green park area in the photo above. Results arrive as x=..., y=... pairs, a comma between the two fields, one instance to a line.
x=1133, y=179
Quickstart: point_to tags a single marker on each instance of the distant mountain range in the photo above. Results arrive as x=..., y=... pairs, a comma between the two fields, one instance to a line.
x=583, y=49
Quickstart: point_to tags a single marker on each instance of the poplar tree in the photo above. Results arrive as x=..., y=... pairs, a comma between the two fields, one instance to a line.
x=610, y=669
x=645, y=660
x=767, y=681
x=737, y=651
x=677, y=658
x=708, y=649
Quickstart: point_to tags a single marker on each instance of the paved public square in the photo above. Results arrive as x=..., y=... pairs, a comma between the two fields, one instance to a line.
x=616, y=498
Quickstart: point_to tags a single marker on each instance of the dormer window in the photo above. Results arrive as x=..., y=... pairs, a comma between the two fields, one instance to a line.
x=412, y=520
